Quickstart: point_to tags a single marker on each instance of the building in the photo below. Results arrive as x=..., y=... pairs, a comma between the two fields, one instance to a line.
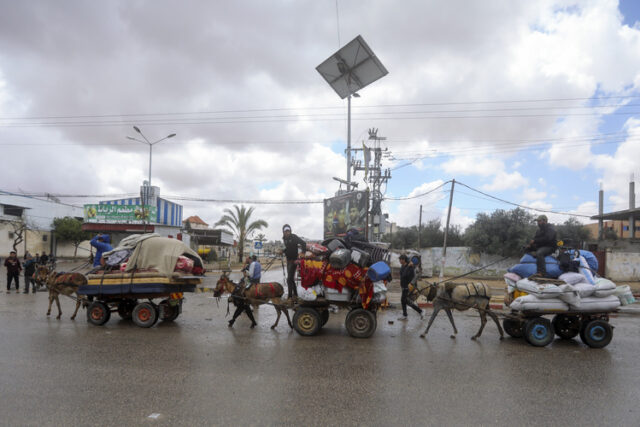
x=123, y=217
x=30, y=220
x=620, y=228
x=204, y=239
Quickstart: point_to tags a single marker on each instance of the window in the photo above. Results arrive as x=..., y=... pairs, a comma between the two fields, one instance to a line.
x=44, y=238
x=13, y=210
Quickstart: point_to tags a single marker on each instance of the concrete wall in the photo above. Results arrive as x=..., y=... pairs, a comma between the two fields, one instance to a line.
x=623, y=266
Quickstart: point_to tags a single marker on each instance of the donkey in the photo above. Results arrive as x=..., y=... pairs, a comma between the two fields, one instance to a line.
x=60, y=283
x=256, y=294
x=460, y=296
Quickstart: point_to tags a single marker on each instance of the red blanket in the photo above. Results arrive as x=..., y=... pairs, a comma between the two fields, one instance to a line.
x=352, y=276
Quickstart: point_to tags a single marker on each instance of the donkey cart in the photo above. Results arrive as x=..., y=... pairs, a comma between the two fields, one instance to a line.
x=593, y=327
x=121, y=293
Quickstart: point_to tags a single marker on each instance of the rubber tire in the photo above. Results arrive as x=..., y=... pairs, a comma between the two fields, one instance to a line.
x=307, y=321
x=324, y=317
x=125, y=308
x=172, y=310
x=538, y=332
x=513, y=327
x=145, y=314
x=597, y=333
x=361, y=323
x=98, y=313
x=566, y=326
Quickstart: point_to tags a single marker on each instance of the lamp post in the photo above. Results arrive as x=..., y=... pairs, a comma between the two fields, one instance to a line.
x=150, y=144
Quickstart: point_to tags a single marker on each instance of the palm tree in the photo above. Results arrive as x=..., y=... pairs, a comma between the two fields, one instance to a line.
x=239, y=224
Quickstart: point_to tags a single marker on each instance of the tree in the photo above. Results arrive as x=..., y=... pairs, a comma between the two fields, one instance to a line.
x=238, y=222
x=573, y=233
x=431, y=235
x=19, y=227
x=503, y=232
x=69, y=229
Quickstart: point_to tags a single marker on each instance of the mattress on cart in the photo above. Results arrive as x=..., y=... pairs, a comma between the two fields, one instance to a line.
x=138, y=283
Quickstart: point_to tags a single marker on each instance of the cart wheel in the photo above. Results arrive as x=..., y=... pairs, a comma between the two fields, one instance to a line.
x=538, y=331
x=565, y=326
x=125, y=308
x=361, y=323
x=307, y=321
x=513, y=327
x=170, y=312
x=597, y=334
x=98, y=313
x=324, y=317
x=145, y=314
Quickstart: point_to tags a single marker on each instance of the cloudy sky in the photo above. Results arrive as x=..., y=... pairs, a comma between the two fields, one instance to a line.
x=536, y=103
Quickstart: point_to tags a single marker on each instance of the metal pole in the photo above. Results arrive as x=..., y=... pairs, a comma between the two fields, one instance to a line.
x=446, y=230
x=150, y=148
x=349, y=143
x=420, y=229
x=600, y=212
x=632, y=205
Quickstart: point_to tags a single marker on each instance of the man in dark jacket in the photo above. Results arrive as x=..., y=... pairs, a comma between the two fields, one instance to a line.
x=29, y=271
x=291, y=244
x=544, y=243
x=407, y=273
x=13, y=271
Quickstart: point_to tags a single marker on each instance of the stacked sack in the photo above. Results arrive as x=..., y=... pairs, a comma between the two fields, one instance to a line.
x=588, y=263
x=575, y=294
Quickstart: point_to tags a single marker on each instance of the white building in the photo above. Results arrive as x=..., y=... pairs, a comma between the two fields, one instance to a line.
x=36, y=215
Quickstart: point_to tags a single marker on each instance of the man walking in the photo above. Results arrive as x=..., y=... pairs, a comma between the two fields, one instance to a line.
x=291, y=244
x=29, y=271
x=407, y=274
x=544, y=243
x=13, y=271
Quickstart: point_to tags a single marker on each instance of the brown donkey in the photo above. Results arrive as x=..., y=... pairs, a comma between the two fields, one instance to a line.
x=255, y=294
x=60, y=283
x=460, y=296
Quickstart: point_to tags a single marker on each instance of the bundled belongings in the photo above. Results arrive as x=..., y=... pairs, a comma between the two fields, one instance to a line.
x=340, y=258
x=360, y=257
x=624, y=295
x=317, y=249
x=527, y=266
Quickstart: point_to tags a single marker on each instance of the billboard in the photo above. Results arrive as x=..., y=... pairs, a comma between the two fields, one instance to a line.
x=119, y=214
x=344, y=212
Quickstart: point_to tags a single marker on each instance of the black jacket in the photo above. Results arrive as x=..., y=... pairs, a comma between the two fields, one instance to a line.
x=407, y=274
x=291, y=246
x=545, y=236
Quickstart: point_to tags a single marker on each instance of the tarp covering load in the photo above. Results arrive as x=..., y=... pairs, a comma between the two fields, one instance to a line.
x=150, y=252
x=584, y=262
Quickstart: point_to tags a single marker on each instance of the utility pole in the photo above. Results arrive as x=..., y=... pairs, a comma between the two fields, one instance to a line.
x=420, y=229
x=376, y=177
x=446, y=230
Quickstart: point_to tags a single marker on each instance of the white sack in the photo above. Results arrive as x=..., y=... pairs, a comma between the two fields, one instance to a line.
x=594, y=304
x=572, y=278
x=624, y=294
x=584, y=289
x=604, y=287
x=586, y=270
x=543, y=291
x=569, y=295
x=306, y=294
x=532, y=303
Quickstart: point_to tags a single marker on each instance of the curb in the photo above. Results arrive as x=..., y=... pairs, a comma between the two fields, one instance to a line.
x=491, y=306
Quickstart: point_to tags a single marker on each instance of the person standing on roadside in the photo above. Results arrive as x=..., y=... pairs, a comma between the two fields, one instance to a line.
x=44, y=259
x=291, y=244
x=29, y=271
x=255, y=271
x=13, y=271
x=407, y=274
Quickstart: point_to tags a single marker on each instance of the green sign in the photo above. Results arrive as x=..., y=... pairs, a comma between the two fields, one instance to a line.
x=128, y=214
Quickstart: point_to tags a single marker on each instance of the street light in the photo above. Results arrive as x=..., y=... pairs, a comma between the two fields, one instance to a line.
x=150, y=144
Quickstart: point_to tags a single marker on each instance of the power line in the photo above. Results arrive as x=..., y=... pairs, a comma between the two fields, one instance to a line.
x=523, y=206
x=418, y=195
x=253, y=110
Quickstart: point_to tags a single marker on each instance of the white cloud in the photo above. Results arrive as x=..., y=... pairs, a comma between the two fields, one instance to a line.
x=533, y=194
x=506, y=181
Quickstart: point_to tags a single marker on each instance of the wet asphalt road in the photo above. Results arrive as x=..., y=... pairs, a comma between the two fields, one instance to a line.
x=197, y=371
